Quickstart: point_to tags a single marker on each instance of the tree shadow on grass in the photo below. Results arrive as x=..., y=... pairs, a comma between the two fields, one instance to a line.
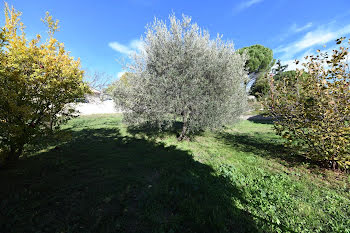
x=261, y=119
x=153, y=131
x=268, y=148
x=101, y=181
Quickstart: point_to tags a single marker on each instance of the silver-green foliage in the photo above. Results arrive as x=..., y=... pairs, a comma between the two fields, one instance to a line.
x=182, y=74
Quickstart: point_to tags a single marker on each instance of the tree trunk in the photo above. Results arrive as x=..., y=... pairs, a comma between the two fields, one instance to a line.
x=183, y=135
x=334, y=165
x=14, y=153
x=184, y=131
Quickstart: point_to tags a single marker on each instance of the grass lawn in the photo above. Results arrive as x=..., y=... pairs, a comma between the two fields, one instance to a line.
x=98, y=177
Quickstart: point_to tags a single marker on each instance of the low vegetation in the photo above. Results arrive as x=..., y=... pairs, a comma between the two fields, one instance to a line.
x=100, y=176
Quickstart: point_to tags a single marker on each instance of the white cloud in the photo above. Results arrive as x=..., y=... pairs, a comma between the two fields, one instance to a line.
x=136, y=44
x=246, y=4
x=132, y=47
x=120, y=74
x=320, y=36
x=295, y=29
x=120, y=48
x=292, y=65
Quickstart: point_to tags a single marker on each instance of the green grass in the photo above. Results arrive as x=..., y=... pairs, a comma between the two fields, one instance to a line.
x=97, y=177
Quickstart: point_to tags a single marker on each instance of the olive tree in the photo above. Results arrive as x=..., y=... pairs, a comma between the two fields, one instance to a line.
x=181, y=73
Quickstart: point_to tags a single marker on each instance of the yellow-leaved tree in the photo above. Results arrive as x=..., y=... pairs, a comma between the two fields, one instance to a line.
x=38, y=80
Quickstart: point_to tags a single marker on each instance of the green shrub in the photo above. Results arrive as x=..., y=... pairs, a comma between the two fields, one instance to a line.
x=312, y=111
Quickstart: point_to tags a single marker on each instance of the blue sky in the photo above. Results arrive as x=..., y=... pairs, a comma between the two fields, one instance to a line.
x=101, y=32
